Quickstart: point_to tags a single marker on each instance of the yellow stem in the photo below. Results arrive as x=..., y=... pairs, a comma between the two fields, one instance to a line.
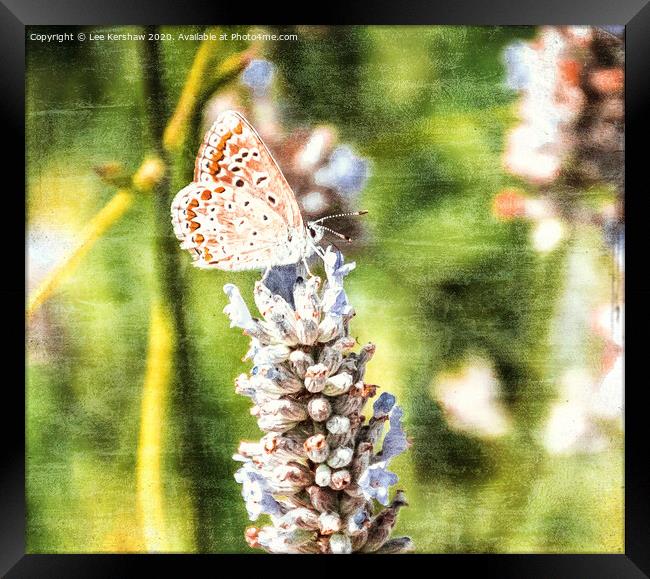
x=109, y=214
x=177, y=126
x=195, y=86
x=150, y=503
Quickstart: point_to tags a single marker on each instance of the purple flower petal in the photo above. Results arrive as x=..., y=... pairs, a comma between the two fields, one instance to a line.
x=395, y=441
x=258, y=76
x=374, y=482
x=383, y=405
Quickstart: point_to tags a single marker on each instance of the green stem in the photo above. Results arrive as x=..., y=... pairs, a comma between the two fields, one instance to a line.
x=195, y=468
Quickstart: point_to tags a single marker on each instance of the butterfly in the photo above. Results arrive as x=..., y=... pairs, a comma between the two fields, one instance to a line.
x=239, y=212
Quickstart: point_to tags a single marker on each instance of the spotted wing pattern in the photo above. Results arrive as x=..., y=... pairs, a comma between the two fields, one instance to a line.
x=239, y=213
x=232, y=149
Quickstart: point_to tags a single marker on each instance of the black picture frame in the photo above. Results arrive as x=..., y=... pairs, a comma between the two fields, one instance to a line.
x=15, y=15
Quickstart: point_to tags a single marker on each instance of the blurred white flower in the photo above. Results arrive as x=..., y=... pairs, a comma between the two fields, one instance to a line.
x=519, y=58
x=545, y=73
x=608, y=399
x=320, y=141
x=608, y=322
x=46, y=248
x=567, y=423
x=547, y=234
x=524, y=158
x=314, y=202
x=471, y=399
x=571, y=426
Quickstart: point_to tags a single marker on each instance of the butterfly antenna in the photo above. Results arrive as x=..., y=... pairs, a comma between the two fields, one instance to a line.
x=352, y=214
x=339, y=235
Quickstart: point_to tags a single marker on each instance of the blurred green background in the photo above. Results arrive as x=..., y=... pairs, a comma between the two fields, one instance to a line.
x=456, y=300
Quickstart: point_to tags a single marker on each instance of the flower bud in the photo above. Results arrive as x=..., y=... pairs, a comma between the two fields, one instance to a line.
x=331, y=358
x=263, y=298
x=249, y=449
x=336, y=440
x=317, y=448
x=340, y=457
x=366, y=354
x=344, y=344
x=323, y=475
x=350, y=503
x=329, y=523
x=348, y=403
x=243, y=386
x=282, y=320
x=361, y=459
x=372, y=431
x=290, y=478
x=306, y=331
x=286, y=448
x=358, y=541
x=281, y=541
x=306, y=299
x=337, y=385
x=397, y=545
x=251, y=535
x=382, y=525
x=300, y=361
x=331, y=327
x=271, y=355
x=349, y=364
x=272, y=388
x=315, y=377
x=275, y=423
x=287, y=408
x=357, y=522
x=301, y=518
x=287, y=380
x=340, y=479
x=338, y=424
x=340, y=544
x=322, y=499
x=319, y=408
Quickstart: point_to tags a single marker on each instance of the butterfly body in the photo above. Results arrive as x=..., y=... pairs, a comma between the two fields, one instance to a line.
x=239, y=212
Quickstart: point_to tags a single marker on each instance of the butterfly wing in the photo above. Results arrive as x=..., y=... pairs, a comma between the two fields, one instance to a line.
x=232, y=149
x=230, y=228
x=239, y=213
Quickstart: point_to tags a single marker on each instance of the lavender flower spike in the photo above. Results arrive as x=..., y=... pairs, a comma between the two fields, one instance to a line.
x=316, y=472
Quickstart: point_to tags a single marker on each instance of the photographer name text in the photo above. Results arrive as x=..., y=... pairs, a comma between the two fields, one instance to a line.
x=144, y=37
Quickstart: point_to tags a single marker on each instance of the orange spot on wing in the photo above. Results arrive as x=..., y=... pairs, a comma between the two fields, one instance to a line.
x=222, y=143
x=238, y=129
x=193, y=203
x=194, y=225
x=198, y=238
x=190, y=214
x=206, y=195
